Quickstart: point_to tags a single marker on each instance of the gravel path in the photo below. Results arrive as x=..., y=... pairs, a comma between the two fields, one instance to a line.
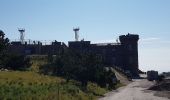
x=134, y=91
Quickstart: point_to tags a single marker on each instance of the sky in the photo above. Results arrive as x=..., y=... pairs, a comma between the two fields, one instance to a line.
x=98, y=20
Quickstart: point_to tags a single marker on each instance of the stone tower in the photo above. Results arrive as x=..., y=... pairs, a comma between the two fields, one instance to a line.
x=129, y=44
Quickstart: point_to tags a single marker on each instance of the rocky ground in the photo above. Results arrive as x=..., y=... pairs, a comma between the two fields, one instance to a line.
x=162, y=88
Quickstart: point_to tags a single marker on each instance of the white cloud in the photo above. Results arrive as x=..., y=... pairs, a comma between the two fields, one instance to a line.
x=150, y=39
x=153, y=40
x=165, y=41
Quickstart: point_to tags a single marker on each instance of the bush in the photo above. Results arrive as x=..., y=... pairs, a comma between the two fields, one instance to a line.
x=83, y=67
x=4, y=42
x=16, y=62
x=95, y=89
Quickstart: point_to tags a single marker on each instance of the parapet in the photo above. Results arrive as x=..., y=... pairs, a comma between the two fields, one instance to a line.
x=78, y=43
x=16, y=43
x=129, y=37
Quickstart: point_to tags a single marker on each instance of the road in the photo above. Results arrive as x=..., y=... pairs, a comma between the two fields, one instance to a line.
x=133, y=91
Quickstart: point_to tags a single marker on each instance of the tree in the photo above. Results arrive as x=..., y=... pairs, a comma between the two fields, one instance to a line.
x=9, y=60
x=16, y=62
x=4, y=42
x=83, y=67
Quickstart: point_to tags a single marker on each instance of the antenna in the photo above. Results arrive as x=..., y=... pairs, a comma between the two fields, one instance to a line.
x=21, y=30
x=76, y=30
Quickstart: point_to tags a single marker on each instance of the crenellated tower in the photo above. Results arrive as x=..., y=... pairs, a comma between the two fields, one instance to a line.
x=129, y=44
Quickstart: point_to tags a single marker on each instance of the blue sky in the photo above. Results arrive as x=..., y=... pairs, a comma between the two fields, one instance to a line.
x=99, y=21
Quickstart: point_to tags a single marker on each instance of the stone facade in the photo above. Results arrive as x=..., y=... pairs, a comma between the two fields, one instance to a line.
x=123, y=54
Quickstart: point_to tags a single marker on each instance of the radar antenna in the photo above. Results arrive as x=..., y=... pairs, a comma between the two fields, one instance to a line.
x=21, y=30
x=76, y=30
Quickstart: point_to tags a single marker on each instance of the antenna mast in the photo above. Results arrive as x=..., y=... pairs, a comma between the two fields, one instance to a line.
x=21, y=30
x=76, y=30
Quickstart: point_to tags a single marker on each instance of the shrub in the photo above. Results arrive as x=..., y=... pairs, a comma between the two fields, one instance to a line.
x=16, y=62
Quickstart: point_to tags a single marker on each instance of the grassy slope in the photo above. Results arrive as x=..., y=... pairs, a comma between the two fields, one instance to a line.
x=30, y=85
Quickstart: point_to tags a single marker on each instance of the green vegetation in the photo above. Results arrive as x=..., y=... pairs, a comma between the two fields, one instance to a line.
x=95, y=89
x=9, y=60
x=83, y=67
x=17, y=85
x=4, y=42
x=16, y=62
x=37, y=61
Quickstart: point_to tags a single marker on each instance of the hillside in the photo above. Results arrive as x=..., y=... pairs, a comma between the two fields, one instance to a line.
x=16, y=85
x=31, y=85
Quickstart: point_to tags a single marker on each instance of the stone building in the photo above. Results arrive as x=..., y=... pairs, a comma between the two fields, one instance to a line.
x=123, y=54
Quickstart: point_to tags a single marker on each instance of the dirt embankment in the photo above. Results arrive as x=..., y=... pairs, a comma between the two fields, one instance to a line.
x=162, y=88
x=122, y=78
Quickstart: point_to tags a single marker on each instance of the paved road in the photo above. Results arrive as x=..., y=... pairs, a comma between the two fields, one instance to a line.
x=134, y=91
